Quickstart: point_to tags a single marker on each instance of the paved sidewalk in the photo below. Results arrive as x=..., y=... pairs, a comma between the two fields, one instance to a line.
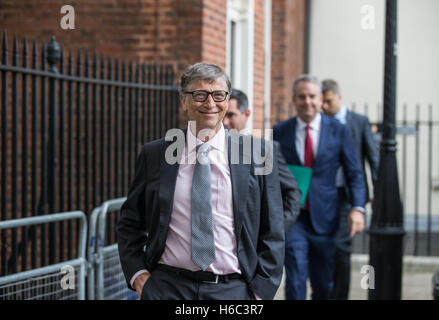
x=417, y=279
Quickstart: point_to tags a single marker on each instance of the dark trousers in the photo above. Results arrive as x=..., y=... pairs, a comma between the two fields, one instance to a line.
x=164, y=284
x=343, y=248
x=308, y=254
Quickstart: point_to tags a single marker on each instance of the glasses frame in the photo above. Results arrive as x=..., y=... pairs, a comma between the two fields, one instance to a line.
x=207, y=96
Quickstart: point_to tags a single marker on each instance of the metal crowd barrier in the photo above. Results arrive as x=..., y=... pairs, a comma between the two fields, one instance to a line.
x=52, y=281
x=105, y=277
x=92, y=254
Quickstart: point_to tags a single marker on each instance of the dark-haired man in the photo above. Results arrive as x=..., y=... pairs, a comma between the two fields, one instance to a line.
x=236, y=118
x=365, y=149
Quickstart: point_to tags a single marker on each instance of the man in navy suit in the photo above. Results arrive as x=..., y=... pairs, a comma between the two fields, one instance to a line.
x=365, y=149
x=322, y=143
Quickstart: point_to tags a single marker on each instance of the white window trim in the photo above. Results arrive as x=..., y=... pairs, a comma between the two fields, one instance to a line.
x=267, y=66
x=242, y=11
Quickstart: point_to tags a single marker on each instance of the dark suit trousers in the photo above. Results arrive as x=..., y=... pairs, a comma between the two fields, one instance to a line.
x=308, y=254
x=168, y=285
x=343, y=244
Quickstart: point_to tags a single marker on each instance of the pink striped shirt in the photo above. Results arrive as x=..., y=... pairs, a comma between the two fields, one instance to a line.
x=177, y=251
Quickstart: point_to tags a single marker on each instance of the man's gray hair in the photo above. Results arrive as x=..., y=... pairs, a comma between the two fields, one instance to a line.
x=330, y=85
x=202, y=71
x=306, y=78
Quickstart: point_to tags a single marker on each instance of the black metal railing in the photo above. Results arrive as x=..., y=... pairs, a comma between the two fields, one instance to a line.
x=417, y=153
x=71, y=129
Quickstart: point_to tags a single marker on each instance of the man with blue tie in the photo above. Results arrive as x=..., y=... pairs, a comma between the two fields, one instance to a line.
x=323, y=144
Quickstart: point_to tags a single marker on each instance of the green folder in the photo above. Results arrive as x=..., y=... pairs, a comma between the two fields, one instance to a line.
x=303, y=177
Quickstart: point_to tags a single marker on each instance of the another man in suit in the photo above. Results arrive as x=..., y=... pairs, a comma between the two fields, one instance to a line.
x=236, y=118
x=210, y=228
x=322, y=143
x=365, y=149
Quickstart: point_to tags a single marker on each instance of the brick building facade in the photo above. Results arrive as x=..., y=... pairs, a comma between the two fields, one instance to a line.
x=176, y=32
x=260, y=43
x=288, y=55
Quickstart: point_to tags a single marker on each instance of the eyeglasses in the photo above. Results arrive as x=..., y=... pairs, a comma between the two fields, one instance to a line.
x=202, y=95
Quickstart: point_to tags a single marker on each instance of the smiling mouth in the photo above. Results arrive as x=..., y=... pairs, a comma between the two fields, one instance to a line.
x=209, y=112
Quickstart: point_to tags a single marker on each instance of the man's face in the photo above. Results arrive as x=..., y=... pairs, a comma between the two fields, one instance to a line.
x=308, y=100
x=235, y=119
x=331, y=103
x=208, y=114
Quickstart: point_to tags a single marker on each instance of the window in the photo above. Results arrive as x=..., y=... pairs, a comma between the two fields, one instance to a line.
x=240, y=44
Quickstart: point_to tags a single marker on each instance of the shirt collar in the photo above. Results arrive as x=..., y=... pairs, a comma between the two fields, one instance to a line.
x=314, y=124
x=246, y=132
x=341, y=114
x=217, y=142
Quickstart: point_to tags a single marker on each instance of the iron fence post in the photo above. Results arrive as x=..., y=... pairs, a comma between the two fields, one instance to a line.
x=53, y=56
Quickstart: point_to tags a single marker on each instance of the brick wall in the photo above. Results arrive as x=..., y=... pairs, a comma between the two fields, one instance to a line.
x=213, y=37
x=259, y=66
x=110, y=26
x=287, y=55
x=162, y=31
x=177, y=32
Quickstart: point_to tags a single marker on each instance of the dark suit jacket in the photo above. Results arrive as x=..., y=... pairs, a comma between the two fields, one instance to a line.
x=144, y=220
x=335, y=149
x=364, y=144
x=291, y=194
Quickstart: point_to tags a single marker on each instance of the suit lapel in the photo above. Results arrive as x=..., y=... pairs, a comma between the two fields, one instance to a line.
x=355, y=131
x=348, y=116
x=349, y=122
x=239, y=173
x=168, y=179
x=323, y=139
x=291, y=143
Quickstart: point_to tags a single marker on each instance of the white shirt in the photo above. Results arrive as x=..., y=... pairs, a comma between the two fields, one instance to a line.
x=315, y=125
x=341, y=114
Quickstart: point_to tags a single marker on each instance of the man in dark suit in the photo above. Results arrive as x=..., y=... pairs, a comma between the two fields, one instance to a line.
x=314, y=140
x=236, y=118
x=365, y=149
x=204, y=222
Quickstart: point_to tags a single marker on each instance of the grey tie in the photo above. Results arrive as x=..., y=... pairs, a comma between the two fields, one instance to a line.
x=202, y=243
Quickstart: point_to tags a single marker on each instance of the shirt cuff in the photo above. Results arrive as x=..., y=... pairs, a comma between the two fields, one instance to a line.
x=363, y=211
x=138, y=273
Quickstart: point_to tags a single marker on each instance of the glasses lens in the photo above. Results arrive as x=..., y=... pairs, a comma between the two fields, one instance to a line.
x=219, y=96
x=200, y=96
